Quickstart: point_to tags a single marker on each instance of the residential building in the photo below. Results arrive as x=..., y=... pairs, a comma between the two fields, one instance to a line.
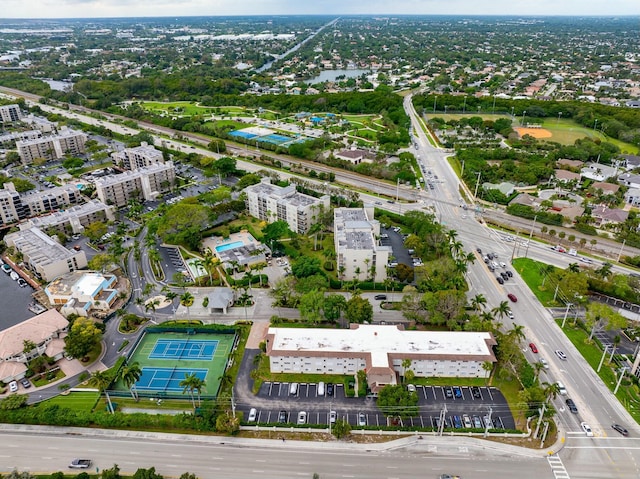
x=277, y=203
x=356, y=242
x=145, y=183
x=46, y=331
x=43, y=255
x=565, y=176
x=53, y=147
x=630, y=179
x=598, y=171
x=354, y=156
x=10, y=113
x=81, y=292
x=606, y=188
x=74, y=219
x=137, y=157
x=379, y=351
x=9, y=139
x=604, y=215
x=39, y=202
x=11, y=207
x=632, y=196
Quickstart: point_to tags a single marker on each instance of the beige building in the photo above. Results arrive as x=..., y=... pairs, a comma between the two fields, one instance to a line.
x=379, y=351
x=356, y=242
x=54, y=147
x=143, y=184
x=137, y=157
x=10, y=113
x=81, y=292
x=9, y=139
x=46, y=331
x=74, y=219
x=276, y=203
x=43, y=255
x=11, y=207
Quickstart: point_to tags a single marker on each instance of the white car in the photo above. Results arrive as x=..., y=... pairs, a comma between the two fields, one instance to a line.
x=332, y=417
x=302, y=417
x=587, y=429
x=13, y=386
x=561, y=355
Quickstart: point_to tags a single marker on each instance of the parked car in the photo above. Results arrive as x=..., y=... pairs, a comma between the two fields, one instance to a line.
x=411, y=388
x=302, y=417
x=533, y=347
x=457, y=392
x=330, y=389
x=512, y=297
x=380, y=297
x=362, y=419
x=499, y=279
x=282, y=417
x=620, y=429
x=253, y=414
x=13, y=386
x=475, y=390
x=476, y=422
x=332, y=417
x=561, y=355
x=25, y=383
x=571, y=405
x=80, y=464
x=587, y=429
x=448, y=392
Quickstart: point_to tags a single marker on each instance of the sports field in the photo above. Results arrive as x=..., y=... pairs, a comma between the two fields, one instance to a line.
x=167, y=358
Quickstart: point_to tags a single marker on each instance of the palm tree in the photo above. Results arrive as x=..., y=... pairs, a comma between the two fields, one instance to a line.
x=130, y=374
x=551, y=390
x=341, y=270
x=478, y=302
x=190, y=384
x=186, y=300
x=501, y=310
x=537, y=368
x=573, y=267
x=249, y=277
x=259, y=267
x=605, y=271
x=101, y=380
x=210, y=263
x=488, y=367
x=517, y=332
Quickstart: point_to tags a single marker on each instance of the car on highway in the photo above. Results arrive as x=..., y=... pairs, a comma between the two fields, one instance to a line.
x=449, y=476
x=545, y=364
x=499, y=279
x=533, y=347
x=302, y=417
x=572, y=406
x=587, y=429
x=620, y=429
x=80, y=464
x=510, y=314
x=561, y=355
x=479, y=251
x=512, y=297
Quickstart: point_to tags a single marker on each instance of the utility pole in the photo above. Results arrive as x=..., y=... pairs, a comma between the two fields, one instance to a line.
x=488, y=423
x=443, y=413
x=475, y=193
x=544, y=433
x=604, y=353
x=622, y=372
x=526, y=251
x=566, y=313
x=621, y=248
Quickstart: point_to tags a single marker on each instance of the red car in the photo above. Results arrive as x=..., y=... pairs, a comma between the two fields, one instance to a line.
x=533, y=348
x=512, y=297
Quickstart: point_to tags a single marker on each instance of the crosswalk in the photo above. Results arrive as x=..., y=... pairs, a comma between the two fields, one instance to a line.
x=559, y=472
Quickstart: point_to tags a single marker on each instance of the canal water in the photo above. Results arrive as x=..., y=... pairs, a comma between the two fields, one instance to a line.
x=14, y=302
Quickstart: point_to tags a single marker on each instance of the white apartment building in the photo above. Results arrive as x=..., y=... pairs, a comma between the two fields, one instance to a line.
x=81, y=292
x=379, y=351
x=39, y=202
x=143, y=184
x=11, y=207
x=9, y=139
x=359, y=256
x=43, y=255
x=10, y=113
x=137, y=157
x=54, y=147
x=74, y=219
x=276, y=203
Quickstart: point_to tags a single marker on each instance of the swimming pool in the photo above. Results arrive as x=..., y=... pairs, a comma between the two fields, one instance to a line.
x=225, y=247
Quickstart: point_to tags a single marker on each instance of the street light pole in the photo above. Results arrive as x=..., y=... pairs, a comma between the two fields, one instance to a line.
x=595, y=123
x=523, y=115
x=559, y=115
x=526, y=251
x=475, y=193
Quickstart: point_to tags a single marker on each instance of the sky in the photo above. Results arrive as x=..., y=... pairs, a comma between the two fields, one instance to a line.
x=170, y=8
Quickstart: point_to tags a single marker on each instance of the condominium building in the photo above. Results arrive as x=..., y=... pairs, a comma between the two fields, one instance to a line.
x=43, y=255
x=52, y=199
x=142, y=184
x=380, y=351
x=11, y=207
x=10, y=139
x=359, y=256
x=137, y=157
x=74, y=219
x=10, y=113
x=81, y=292
x=54, y=147
x=276, y=203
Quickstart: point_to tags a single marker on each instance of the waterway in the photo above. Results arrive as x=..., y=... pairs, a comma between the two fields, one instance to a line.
x=296, y=47
x=14, y=302
x=332, y=75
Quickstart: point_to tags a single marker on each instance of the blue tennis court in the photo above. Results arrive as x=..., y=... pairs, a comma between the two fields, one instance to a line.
x=166, y=379
x=184, y=349
x=243, y=134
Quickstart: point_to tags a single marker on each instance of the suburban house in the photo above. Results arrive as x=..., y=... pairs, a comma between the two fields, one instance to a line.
x=527, y=200
x=46, y=331
x=605, y=215
x=379, y=350
x=353, y=156
x=565, y=176
x=629, y=179
x=572, y=164
x=80, y=292
x=606, y=188
x=598, y=171
x=632, y=196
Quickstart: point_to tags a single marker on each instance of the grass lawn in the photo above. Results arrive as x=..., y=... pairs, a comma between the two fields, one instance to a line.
x=185, y=107
x=360, y=119
x=628, y=395
x=76, y=400
x=146, y=403
x=43, y=380
x=567, y=131
x=469, y=114
x=530, y=272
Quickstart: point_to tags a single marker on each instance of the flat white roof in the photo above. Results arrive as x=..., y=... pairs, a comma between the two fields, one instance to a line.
x=382, y=340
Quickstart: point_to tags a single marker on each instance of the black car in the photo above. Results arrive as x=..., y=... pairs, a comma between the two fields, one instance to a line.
x=330, y=389
x=479, y=251
x=620, y=429
x=282, y=417
x=509, y=273
x=505, y=276
x=499, y=279
x=475, y=390
x=25, y=383
x=572, y=406
x=380, y=297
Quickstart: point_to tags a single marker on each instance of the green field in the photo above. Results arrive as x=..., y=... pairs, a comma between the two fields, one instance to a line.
x=76, y=400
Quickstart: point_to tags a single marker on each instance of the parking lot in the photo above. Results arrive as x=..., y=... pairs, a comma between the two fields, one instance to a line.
x=277, y=400
x=172, y=262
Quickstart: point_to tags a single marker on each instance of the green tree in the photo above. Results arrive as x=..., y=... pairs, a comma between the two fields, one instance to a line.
x=100, y=261
x=306, y=266
x=334, y=305
x=227, y=424
x=341, y=429
x=101, y=380
x=358, y=310
x=130, y=374
x=397, y=401
x=83, y=336
x=600, y=316
x=14, y=401
x=95, y=231
x=275, y=231
x=150, y=473
x=311, y=305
